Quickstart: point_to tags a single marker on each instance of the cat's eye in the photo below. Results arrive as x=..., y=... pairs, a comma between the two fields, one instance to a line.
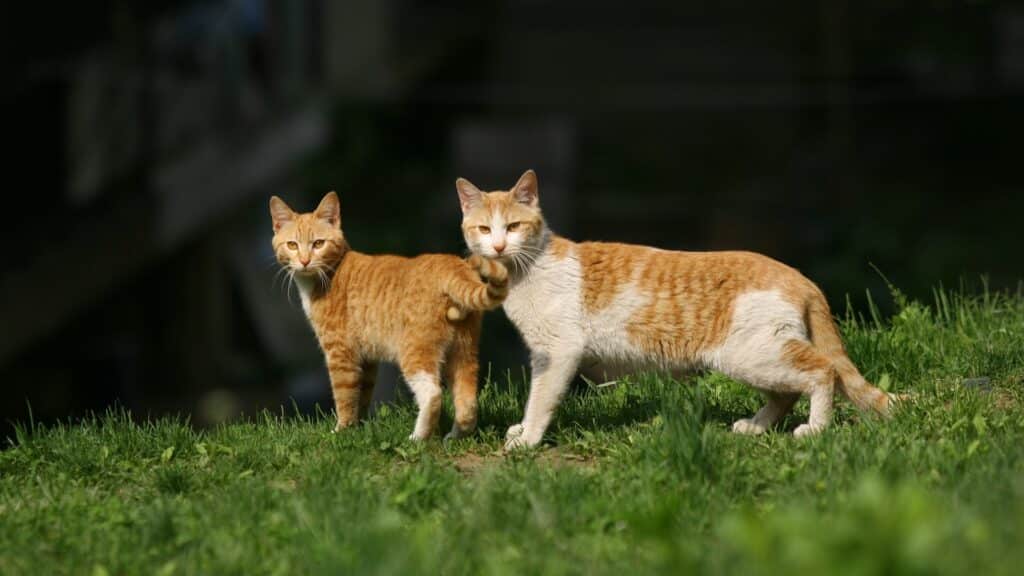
x=318, y=244
x=293, y=245
x=484, y=229
x=513, y=226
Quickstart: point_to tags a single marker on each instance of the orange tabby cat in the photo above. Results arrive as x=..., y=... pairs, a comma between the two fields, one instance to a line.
x=607, y=308
x=368, y=309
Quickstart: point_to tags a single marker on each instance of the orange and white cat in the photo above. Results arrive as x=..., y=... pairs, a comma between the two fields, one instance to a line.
x=423, y=313
x=617, y=307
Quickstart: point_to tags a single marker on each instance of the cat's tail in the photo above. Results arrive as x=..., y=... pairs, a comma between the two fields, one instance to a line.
x=486, y=292
x=826, y=338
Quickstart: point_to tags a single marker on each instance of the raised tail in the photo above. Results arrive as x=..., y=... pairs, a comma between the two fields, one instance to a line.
x=825, y=337
x=485, y=292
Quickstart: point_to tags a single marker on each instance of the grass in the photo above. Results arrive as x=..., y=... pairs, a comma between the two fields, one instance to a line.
x=642, y=477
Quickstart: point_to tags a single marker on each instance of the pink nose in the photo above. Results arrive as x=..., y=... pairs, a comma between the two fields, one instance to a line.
x=305, y=261
x=499, y=248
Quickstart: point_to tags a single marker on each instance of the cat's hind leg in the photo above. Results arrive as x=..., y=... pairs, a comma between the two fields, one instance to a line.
x=777, y=405
x=819, y=374
x=783, y=369
x=421, y=371
x=461, y=375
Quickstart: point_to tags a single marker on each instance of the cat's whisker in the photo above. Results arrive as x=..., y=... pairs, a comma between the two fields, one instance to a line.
x=322, y=277
x=278, y=276
x=527, y=257
x=286, y=280
x=526, y=248
x=520, y=263
x=291, y=282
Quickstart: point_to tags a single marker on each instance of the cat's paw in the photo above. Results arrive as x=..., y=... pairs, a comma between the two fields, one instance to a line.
x=807, y=430
x=455, y=314
x=747, y=426
x=495, y=273
x=521, y=443
x=517, y=438
x=514, y=431
x=490, y=271
x=421, y=433
x=457, y=433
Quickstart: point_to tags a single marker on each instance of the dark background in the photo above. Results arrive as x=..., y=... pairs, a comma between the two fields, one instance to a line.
x=144, y=139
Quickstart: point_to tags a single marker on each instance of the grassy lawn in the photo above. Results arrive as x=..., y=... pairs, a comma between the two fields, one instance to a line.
x=640, y=477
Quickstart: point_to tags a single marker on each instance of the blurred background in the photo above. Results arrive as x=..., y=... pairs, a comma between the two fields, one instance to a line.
x=148, y=136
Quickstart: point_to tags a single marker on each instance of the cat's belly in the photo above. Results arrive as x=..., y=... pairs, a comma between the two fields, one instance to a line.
x=598, y=370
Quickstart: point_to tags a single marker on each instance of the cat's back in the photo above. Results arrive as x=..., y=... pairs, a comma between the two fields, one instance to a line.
x=643, y=304
x=388, y=277
x=607, y=267
x=384, y=298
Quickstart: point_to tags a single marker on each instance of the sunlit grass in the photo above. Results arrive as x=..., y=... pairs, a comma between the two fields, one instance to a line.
x=640, y=477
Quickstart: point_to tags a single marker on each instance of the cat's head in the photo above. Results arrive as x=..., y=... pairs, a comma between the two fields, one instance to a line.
x=506, y=225
x=312, y=243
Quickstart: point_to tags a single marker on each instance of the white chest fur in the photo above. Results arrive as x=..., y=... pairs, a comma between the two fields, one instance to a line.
x=305, y=292
x=546, y=304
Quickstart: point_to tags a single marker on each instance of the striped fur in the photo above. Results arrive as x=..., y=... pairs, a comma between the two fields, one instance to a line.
x=609, y=308
x=370, y=309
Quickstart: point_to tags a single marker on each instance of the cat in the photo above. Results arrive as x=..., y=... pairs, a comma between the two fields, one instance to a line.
x=620, y=307
x=424, y=313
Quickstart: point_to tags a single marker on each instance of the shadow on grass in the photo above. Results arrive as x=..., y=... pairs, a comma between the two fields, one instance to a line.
x=635, y=401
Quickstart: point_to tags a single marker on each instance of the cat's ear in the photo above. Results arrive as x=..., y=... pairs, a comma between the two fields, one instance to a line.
x=469, y=195
x=525, y=191
x=280, y=213
x=329, y=209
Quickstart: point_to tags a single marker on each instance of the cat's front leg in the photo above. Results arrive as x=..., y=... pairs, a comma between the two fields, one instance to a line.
x=550, y=378
x=346, y=377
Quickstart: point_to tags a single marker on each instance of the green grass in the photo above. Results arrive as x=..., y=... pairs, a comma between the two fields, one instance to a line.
x=642, y=477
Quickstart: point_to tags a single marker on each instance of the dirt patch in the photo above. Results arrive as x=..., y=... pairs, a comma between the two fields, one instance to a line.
x=1004, y=399
x=471, y=463
x=560, y=457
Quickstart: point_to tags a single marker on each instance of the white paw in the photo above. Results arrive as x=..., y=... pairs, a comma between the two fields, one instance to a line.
x=514, y=431
x=747, y=426
x=806, y=430
x=517, y=443
x=517, y=437
x=418, y=436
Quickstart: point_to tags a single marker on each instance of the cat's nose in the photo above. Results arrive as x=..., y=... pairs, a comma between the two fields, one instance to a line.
x=304, y=261
x=499, y=248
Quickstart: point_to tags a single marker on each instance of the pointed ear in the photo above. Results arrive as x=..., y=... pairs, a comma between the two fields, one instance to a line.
x=525, y=190
x=329, y=209
x=469, y=195
x=280, y=213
